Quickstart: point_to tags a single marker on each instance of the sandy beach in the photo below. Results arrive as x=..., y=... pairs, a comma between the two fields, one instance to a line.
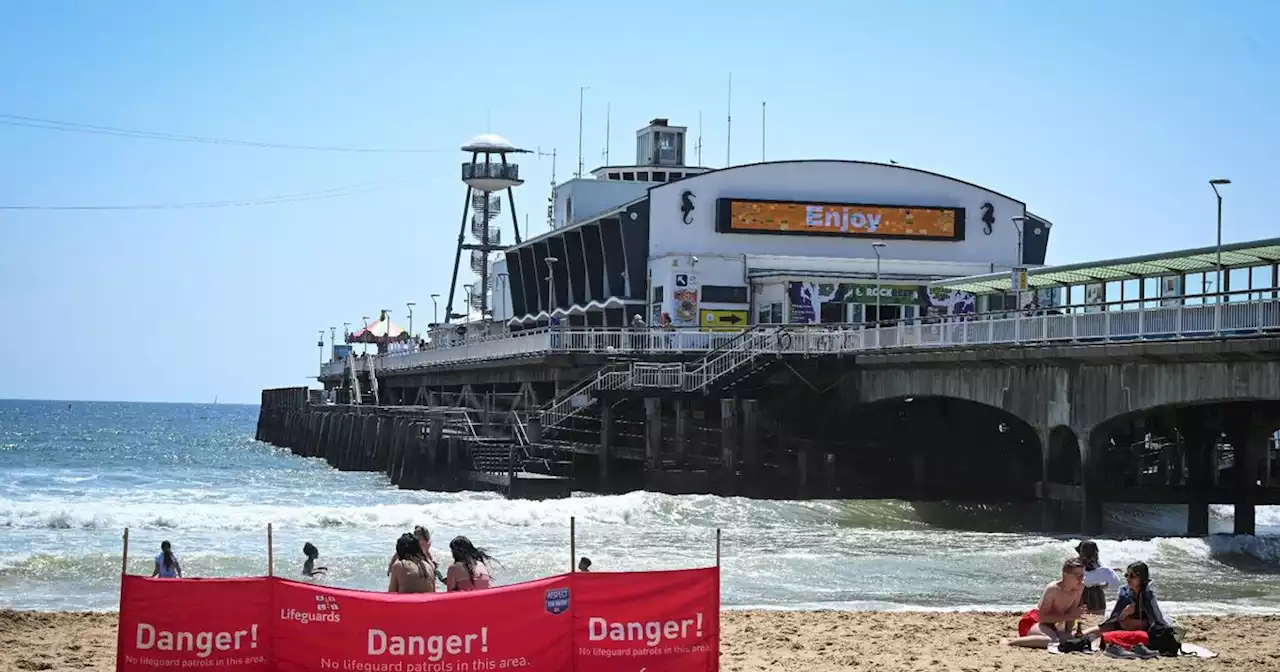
x=759, y=640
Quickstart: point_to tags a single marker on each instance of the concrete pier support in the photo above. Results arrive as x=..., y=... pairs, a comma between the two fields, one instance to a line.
x=652, y=433
x=607, y=434
x=729, y=447
x=684, y=425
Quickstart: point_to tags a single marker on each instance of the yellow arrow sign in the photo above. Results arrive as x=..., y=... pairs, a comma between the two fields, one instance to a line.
x=723, y=320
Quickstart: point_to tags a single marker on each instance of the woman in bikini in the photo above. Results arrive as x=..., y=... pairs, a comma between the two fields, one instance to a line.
x=470, y=568
x=411, y=572
x=1097, y=578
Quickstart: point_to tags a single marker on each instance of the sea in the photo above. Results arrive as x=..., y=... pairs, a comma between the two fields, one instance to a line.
x=74, y=475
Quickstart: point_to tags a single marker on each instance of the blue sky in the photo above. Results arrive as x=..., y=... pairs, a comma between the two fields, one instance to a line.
x=1106, y=118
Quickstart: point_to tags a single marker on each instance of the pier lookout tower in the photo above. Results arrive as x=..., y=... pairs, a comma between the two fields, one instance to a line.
x=487, y=172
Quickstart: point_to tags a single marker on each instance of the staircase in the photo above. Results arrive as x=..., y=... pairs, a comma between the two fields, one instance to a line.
x=373, y=382
x=355, y=379
x=731, y=357
x=555, y=412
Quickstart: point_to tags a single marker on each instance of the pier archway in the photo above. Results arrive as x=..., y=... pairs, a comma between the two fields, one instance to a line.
x=933, y=448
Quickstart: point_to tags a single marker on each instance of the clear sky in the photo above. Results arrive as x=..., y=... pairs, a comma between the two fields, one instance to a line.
x=1107, y=118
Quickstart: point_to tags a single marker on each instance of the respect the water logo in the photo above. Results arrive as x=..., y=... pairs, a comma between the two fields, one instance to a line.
x=557, y=601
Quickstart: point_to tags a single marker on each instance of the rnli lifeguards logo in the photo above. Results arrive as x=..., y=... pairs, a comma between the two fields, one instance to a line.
x=557, y=601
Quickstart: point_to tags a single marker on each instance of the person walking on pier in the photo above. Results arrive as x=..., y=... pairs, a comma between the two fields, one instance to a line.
x=411, y=572
x=167, y=566
x=470, y=568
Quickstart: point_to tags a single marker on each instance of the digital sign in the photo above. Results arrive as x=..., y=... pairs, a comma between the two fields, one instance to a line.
x=852, y=220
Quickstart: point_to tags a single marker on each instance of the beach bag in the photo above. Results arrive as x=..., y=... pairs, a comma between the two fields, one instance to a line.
x=1075, y=645
x=1163, y=640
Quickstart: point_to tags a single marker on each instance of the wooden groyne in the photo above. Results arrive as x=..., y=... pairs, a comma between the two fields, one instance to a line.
x=417, y=447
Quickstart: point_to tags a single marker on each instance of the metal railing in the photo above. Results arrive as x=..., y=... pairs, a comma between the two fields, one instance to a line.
x=1217, y=320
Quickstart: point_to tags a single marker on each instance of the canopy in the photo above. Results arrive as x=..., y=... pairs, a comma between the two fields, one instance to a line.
x=382, y=331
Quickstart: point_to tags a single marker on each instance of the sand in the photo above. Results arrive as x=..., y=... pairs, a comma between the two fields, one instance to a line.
x=761, y=640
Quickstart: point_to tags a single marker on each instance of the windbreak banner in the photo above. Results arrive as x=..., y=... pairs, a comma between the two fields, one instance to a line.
x=583, y=622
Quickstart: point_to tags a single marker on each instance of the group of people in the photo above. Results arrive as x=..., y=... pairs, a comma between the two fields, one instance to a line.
x=413, y=569
x=1082, y=589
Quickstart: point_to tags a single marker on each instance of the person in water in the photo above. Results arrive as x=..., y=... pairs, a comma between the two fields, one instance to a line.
x=167, y=565
x=584, y=565
x=423, y=535
x=1136, y=607
x=1097, y=578
x=411, y=572
x=470, y=568
x=1060, y=606
x=309, y=567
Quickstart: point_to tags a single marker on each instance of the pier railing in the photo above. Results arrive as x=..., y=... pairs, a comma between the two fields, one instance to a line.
x=1187, y=322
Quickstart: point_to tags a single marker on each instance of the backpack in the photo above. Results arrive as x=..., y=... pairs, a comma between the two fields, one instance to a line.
x=1075, y=645
x=1163, y=640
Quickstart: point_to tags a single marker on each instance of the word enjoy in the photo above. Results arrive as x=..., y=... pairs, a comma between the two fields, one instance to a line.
x=840, y=218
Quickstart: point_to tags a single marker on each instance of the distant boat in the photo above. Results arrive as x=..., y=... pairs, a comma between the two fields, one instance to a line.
x=215, y=400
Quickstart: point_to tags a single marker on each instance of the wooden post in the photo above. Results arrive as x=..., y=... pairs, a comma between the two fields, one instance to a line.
x=729, y=448
x=124, y=554
x=717, y=547
x=606, y=444
x=271, y=553
x=750, y=437
x=573, y=545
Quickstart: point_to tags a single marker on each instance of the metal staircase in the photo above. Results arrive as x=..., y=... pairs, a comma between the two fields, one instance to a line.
x=373, y=382
x=700, y=375
x=555, y=412
x=355, y=379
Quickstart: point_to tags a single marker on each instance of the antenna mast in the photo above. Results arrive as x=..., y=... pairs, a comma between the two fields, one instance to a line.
x=551, y=200
x=582, y=90
x=728, y=139
x=699, y=145
x=762, y=104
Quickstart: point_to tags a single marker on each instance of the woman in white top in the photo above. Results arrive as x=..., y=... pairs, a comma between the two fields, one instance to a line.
x=1097, y=579
x=167, y=566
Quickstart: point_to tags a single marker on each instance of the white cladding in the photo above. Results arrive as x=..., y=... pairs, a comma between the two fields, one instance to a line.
x=834, y=182
x=581, y=199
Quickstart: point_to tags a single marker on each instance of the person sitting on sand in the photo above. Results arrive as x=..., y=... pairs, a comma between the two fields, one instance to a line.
x=1136, y=606
x=470, y=568
x=167, y=566
x=1050, y=622
x=1097, y=578
x=309, y=567
x=411, y=572
x=584, y=565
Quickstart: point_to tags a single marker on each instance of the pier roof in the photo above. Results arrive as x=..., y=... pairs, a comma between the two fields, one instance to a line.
x=1180, y=262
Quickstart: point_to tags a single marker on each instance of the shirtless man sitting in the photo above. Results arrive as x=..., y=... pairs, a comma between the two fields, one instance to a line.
x=1061, y=604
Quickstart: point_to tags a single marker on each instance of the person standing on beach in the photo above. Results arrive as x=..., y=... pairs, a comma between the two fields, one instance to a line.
x=470, y=568
x=1050, y=622
x=167, y=566
x=423, y=536
x=411, y=572
x=1097, y=578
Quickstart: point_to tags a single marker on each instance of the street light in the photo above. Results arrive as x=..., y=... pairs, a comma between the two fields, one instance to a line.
x=435, y=309
x=876, y=247
x=1018, y=223
x=333, y=334
x=364, y=319
x=469, y=289
x=551, y=286
x=503, y=278
x=410, y=304
x=1221, y=279
x=320, y=344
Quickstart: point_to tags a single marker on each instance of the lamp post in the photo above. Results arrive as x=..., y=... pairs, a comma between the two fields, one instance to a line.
x=364, y=319
x=876, y=247
x=320, y=344
x=469, y=289
x=1221, y=280
x=551, y=286
x=1018, y=223
x=435, y=309
x=410, y=305
x=333, y=335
